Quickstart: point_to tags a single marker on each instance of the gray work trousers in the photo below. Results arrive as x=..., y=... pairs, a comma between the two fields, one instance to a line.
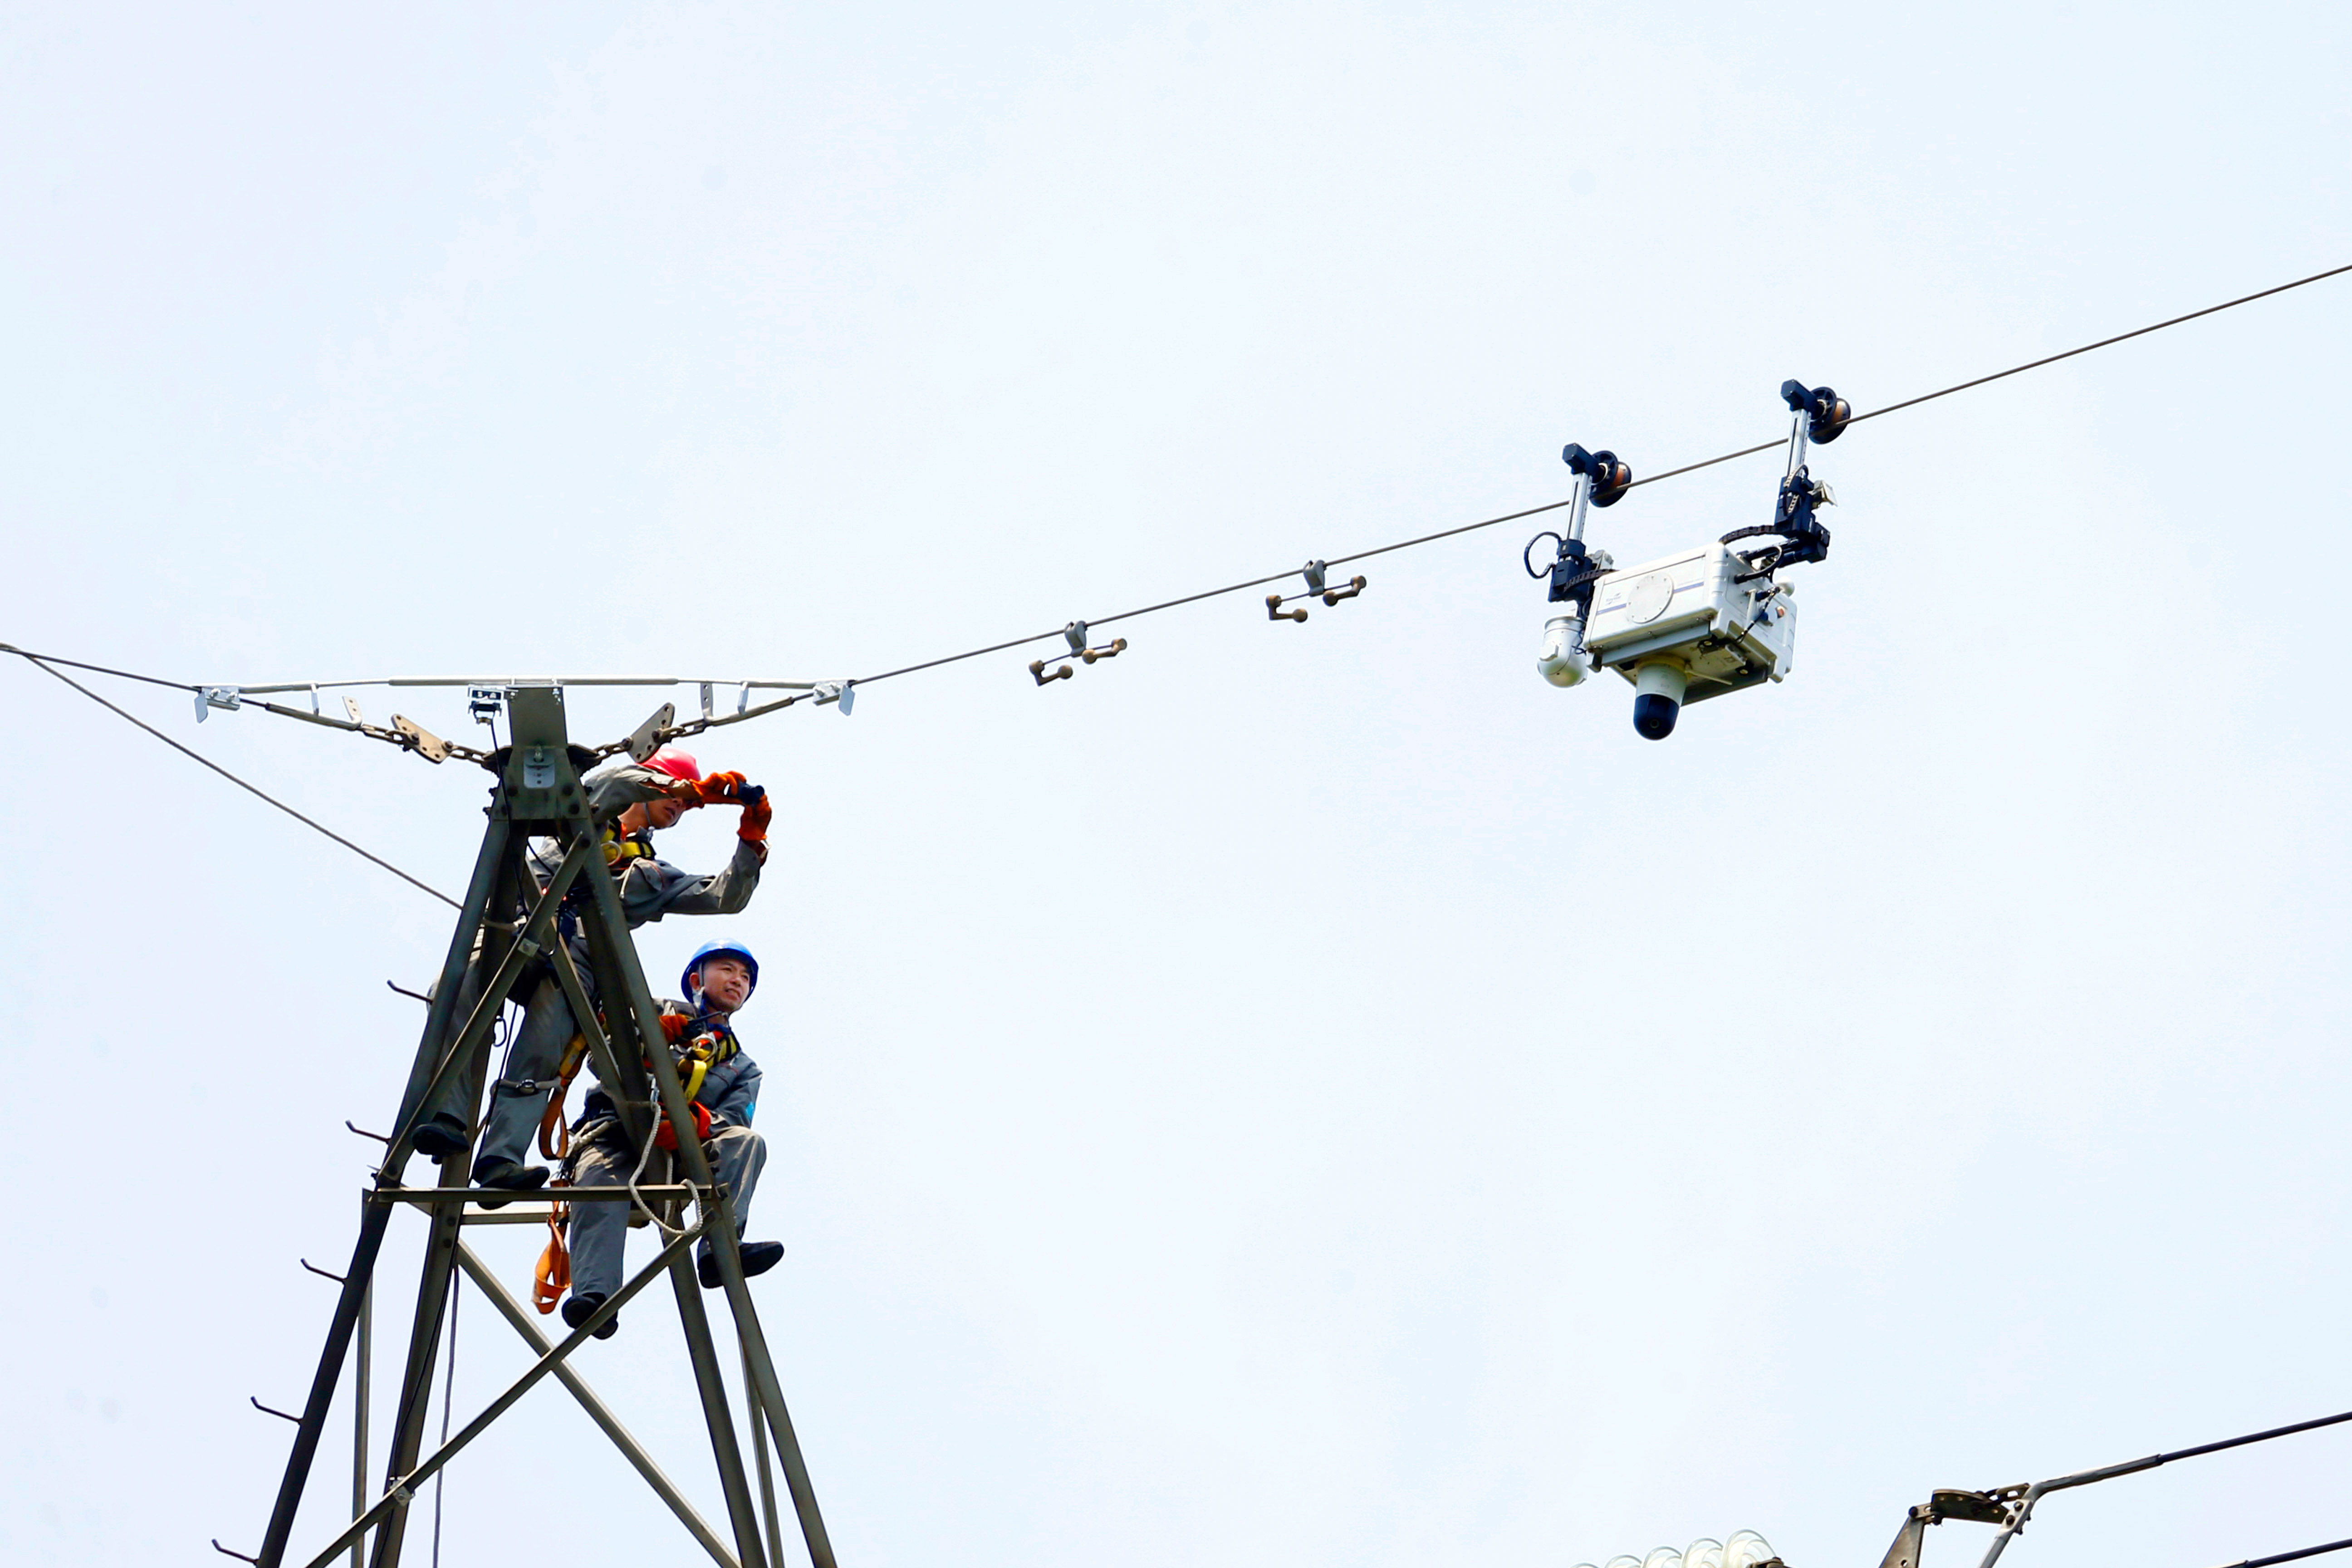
x=736, y=1153
x=538, y=1054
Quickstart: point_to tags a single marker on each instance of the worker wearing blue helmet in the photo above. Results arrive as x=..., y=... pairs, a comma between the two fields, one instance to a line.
x=723, y=1086
x=629, y=801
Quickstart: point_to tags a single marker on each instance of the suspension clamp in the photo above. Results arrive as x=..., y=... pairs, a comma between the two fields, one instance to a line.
x=1075, y=634
x=1316, y=586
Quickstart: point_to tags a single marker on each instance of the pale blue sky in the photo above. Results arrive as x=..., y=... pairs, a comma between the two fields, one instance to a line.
x=1295, y=1094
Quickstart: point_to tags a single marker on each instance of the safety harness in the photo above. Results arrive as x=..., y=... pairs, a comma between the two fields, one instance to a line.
x=620, y=846
x=552, y=1277
x=702, y=1042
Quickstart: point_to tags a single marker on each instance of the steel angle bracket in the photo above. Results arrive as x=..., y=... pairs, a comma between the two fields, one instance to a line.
x=1995, y=1506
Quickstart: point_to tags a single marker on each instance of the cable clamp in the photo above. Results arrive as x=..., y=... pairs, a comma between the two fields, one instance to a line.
x=1316, y=585
x=416, y=738
x=230, y=698
x=647, y=738
x=1075, y=634
x=844, y=692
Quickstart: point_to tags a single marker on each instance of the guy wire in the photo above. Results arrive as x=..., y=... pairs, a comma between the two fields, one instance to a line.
x=232, y=778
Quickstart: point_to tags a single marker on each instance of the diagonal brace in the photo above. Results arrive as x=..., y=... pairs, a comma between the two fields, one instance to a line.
x=529, y=943
x=725, y=1249
x=512, y=1311
x=636, y=1121
x=403, y=1491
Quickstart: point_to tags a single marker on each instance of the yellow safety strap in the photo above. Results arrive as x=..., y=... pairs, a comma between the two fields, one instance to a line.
x=618, y=848
x=698, y=1061
x=706, y=1052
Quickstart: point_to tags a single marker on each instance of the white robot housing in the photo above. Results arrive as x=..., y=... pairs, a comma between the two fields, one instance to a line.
x=1688, y=628
x=1693, y=626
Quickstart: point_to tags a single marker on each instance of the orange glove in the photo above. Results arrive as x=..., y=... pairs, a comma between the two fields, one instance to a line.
x=753, y=828
x=673, y=1025
x=665, y=1135
x=719, y=786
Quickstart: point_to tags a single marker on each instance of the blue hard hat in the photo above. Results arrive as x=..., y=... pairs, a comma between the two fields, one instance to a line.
x=733, y=950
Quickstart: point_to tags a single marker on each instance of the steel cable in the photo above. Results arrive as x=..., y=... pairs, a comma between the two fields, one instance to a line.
x=1418, y=540
x=2291, y=1556
x=36, y=661
x=1670, y=473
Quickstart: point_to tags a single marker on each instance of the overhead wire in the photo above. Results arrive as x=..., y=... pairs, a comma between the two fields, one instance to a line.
x=46, y=662
x=37, y=661
x=1418, y=540
x=1771, y=446
x=2292, y=1556
x=2262, y=1436
x=100, y=669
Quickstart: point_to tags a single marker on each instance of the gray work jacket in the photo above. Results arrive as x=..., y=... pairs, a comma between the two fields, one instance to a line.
x=730, y=1091
x=651, y=888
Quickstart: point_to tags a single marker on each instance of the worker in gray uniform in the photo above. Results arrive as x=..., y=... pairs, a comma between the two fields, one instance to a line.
x=627, y=803
x=722, y=1086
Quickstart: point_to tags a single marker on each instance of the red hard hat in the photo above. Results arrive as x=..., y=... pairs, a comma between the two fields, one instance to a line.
x=678, y=764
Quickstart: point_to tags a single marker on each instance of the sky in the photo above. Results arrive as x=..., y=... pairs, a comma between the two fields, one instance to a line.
x=1292, y=1094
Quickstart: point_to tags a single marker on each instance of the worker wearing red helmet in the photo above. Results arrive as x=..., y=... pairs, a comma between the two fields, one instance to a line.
x=629, y=801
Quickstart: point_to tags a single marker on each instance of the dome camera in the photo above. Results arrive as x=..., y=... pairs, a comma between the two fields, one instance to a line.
x=1659, y=686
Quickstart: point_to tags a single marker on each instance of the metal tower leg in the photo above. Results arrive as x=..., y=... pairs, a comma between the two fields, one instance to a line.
x=759, y=1453
x=373, y=1221
x=713, y=1389
x=723, y=1242
x=441, y=1242
x=539, y=792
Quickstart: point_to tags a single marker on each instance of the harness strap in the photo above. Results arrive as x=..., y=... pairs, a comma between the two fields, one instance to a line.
x=619, y=847
x=552, y=1277
x=554, y=1137
x=698, y=1055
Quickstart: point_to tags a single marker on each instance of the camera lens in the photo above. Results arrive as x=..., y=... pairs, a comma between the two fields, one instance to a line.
x=1658, y=687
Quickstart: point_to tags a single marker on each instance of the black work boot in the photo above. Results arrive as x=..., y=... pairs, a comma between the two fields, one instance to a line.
x=577, y=1307
x=759, y=1257
x=489, y=1171
x=440, y=1138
